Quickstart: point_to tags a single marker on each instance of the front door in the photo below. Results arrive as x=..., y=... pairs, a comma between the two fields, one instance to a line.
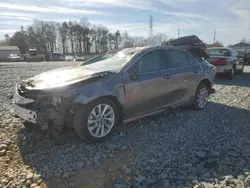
x=152, y=86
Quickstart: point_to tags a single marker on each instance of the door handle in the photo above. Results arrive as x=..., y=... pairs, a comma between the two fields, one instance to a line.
x=167, y=77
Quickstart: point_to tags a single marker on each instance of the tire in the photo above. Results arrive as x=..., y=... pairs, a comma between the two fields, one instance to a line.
x=231, y=73
x=84, y=115
x=202, y=87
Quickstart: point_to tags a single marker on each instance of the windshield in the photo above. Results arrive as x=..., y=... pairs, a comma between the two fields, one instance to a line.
x=112, y=62
x=219, y=52
x=98, y=58
x=32, y=52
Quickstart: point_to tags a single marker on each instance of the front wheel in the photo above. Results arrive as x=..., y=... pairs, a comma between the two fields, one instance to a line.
x=97, y=120
x=201, y=96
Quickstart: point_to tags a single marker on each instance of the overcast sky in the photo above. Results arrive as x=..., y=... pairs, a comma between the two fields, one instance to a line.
x=230, y=18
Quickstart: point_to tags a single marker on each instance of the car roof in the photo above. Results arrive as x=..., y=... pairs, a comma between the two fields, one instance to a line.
x=135, y=50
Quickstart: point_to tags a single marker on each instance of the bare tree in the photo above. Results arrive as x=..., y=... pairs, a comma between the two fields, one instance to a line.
x=127, y=41
x=117, y=39
x=64, y=31
x=159, y=38
x=73, y=36
x=7, y=37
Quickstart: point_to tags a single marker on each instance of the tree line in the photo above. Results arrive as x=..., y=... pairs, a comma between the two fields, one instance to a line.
x=75, y=37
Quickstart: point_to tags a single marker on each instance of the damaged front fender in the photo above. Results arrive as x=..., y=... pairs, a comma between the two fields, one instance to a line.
x=82, y=99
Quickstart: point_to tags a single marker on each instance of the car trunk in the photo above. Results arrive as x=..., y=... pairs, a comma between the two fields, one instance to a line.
x=191, y=43
x=217, y=60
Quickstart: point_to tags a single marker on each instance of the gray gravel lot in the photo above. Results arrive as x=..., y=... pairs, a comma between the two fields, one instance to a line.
x=180, y=148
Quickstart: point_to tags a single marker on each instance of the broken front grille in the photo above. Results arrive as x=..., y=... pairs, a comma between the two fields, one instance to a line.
x=23, y=92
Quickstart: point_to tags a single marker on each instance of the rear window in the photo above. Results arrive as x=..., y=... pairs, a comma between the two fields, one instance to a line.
x=219, y=52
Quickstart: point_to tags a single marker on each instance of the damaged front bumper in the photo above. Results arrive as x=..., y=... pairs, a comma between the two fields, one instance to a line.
x=28, y=113
x=40, y=109
x=25, y=114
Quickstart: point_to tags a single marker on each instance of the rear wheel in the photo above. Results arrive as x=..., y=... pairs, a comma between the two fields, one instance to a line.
x=231, y=73
x=201, y=96
x=97, y=120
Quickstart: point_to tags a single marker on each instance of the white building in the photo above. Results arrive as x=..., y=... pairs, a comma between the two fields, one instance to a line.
x=5, y=51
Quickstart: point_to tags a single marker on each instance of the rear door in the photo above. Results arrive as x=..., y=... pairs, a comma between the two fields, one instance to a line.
x=152, y=86
x=186, y=75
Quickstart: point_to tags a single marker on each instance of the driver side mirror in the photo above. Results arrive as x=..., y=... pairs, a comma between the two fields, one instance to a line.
x=134, y=72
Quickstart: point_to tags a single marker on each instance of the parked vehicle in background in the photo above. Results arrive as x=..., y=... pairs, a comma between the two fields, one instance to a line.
x=246, y=59
x=14, y=57
x=96, y=96
x=79, y=58
x=241, y=52
x=226, y=60
x=57, y=56
x=33, y=56
x=5, y=52
x=22, y=56
x=69, y=58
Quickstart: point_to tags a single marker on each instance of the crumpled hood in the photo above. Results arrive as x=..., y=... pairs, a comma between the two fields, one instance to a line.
x=62, y=77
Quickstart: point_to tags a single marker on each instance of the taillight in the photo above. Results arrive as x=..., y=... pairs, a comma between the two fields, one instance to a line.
x=219, y=62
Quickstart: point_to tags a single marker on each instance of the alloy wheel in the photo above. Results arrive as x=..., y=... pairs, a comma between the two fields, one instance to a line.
x=202, y=97
x=101, y=120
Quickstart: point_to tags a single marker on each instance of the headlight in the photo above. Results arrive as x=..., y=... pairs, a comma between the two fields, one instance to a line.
x=56, y=100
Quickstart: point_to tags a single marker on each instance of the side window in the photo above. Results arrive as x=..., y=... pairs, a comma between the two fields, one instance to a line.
x=178, y=58
x=152, y=61
x=191, y=60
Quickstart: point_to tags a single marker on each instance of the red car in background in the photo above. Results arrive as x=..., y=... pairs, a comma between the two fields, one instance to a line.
x=226, y=60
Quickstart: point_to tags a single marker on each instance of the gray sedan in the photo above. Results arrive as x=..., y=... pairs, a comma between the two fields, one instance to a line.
x=226, y=61
x=133, y=83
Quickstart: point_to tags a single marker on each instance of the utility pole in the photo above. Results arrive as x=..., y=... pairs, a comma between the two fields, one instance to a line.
x=214, y=36
x=178, y=32
x=150, y=29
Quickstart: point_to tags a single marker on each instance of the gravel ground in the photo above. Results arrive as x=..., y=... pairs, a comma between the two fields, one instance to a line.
x=180, y=148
